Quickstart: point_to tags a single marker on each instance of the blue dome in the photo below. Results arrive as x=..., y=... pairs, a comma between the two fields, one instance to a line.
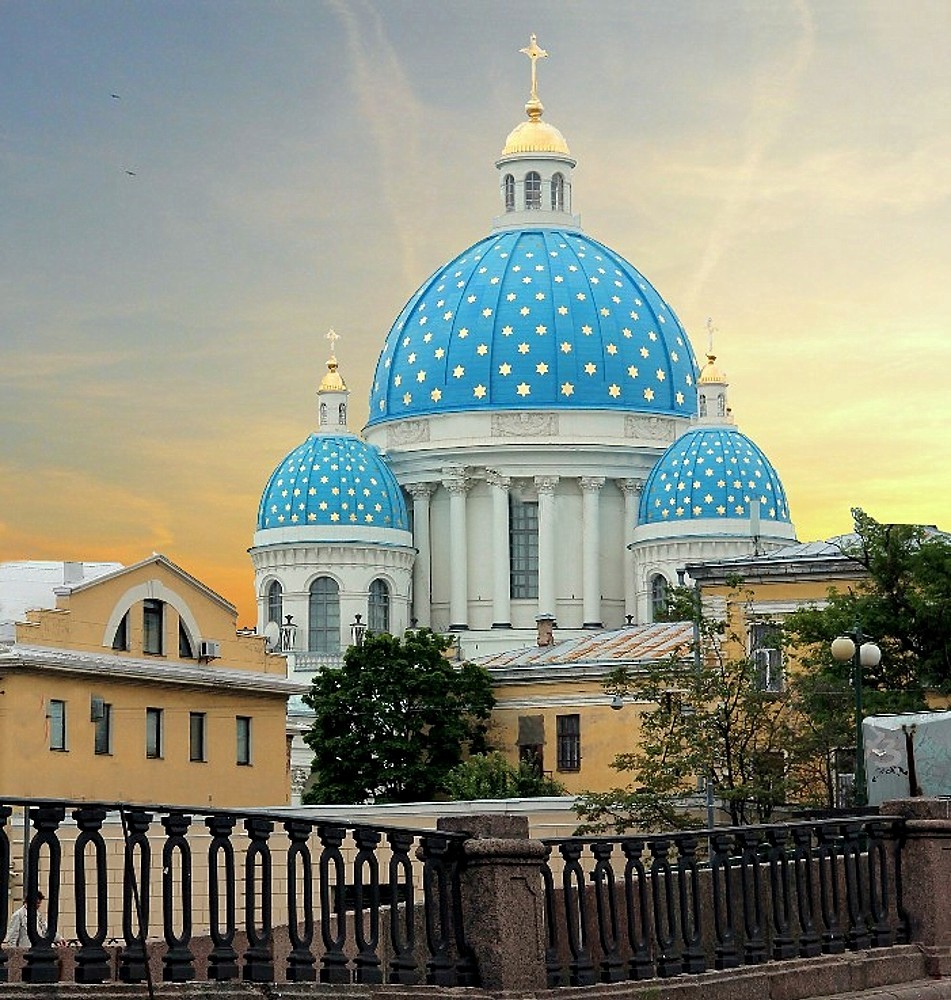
x=712, y=472
x=332, y=479
x=535, y=319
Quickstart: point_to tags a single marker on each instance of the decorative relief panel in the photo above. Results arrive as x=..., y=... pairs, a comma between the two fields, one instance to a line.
x=407, y=432
x=524, y=424
x=651, y=428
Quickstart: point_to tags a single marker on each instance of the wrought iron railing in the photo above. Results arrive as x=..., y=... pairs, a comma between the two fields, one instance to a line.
x=637, y=907
x=179, y=894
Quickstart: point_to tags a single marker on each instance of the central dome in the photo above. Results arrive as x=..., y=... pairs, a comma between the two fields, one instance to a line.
x=535, y=318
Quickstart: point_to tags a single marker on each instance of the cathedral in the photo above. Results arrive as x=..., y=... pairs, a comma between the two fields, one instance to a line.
x=542, y=445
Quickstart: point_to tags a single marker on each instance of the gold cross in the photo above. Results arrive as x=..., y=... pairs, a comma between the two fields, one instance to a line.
x=534, y=53
x=711, y=330
x=333, y=337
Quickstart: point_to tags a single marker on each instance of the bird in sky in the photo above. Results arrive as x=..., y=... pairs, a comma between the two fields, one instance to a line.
x=131, y=173
x=116, y=97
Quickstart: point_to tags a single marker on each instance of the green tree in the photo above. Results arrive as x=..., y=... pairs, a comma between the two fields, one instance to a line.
x=491, y=776
x=394, y=720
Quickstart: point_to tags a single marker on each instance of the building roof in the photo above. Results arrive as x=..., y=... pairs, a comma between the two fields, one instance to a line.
x=31, y=584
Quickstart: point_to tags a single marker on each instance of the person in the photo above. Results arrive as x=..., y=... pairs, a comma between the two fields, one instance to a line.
x=18, y=935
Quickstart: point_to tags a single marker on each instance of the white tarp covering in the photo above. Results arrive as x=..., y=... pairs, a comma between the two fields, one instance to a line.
x=888, y=738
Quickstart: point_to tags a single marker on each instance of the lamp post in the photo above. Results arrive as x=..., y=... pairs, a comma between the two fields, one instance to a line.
x=855, y=647
x=358, y=630
x=288, y=635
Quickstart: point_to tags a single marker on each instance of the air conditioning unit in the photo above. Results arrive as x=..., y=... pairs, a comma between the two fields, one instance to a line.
x=208, y=649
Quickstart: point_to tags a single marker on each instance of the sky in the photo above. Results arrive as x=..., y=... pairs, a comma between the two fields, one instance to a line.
x=193, y=193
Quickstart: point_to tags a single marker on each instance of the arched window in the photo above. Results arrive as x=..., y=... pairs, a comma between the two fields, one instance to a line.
x=508, y=186
x=323, y=620
x=721, y=405
x=658, y=597
x=523, y=549
x=703, y=405
x=342, y=414
x=275, y=603
x=378, y=617
x=533, y=190
x=323, y=414
x=557, y=193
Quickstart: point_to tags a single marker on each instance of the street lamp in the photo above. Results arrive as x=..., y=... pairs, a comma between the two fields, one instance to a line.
x=358, y=630
x=288, y=635
x=854, y=647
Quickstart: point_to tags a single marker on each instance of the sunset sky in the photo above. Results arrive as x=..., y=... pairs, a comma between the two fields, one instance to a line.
x=172, y=257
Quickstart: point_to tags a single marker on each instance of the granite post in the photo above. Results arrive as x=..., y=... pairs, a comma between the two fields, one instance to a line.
x=502, y=899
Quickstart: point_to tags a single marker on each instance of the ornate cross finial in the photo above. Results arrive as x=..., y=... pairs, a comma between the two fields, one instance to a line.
x=711, y=330
x=534, y=53
x=333, y=337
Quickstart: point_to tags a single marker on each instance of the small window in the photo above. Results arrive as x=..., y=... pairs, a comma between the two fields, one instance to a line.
x=508, y=185
x=533, y=190
x=56, y=713
x=153, y=626
x=378, y=617
x=558, y=193
x=121, y=639
x=323, y=414
x=766, y=652
x=153, y=733
x=568, y=733
x=243, y=734
x=275, y=603
x=658, y=597
x=197, y=722
x=103, y=735
x=185, y=650
x=523, y=549
x=323, y=621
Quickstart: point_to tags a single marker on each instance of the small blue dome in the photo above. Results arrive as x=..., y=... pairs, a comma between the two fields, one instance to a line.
x=712, y=472
x=535, y=319
x=332, y=479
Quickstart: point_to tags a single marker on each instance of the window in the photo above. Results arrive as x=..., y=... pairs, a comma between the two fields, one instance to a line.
x=766, y=652
x=557, y=193
x=323, y=632
x=568, y=734
x=185, y=650
x=56, y=713
x=275, y=603
x=103, y=720
x=153, y=733
x=508, y=185
x=523, y=549
x=533, y=190
x=121, y=639
x=196, y=736
x=378, y=618
x=153, y=624
x=658, y=597
x=531, y=742
x=243, y=734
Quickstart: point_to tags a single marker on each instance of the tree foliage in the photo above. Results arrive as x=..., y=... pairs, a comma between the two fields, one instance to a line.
x=491, y=776
x=394, y=720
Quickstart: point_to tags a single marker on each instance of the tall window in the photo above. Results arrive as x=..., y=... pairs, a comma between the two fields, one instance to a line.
x=568, y=733
x=533, y=190
x=275, y=603
x=323, y=631
x=57, y=718
x=153, y=733
x=197, y=725
x=121, y=639
x=766, y=651
x=185, y=649
x=523, y=549
x=103, y=737
x=658, y=597
x=243, y=736
x=378, y=619
x=557, y=193
x=508, y=185
x=153, y=625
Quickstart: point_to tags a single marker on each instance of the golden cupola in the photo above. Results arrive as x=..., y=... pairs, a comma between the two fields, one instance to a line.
x=332, y=393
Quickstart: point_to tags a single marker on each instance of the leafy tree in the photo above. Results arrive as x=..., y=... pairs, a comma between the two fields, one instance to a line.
x=394, y=720
x=491, y=776
x=712, y=719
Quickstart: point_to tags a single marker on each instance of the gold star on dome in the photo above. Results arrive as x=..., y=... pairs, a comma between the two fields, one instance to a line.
x=627, y=333
x=541, y=329
x=427, y=338
x=436, y=395
x=614, y=390
x=524, y=389
x=649, y=394
x=334, y=516
x=590, y=368
x=479, y=392
x=421, y=376
x=661, y=375
x=487, y=312
x=482, y=349
x=612, y=348
x=541, y=368
x=458, y=371
x=562, y=310
x=523, y=348
x=407, y=398
x=565, y=347
x=506, y=331
x=567, y=389
x=335, y=490
x=586, y=330
x=505, y=368
x=524, y=311
x=463, y=333
x=439, y=353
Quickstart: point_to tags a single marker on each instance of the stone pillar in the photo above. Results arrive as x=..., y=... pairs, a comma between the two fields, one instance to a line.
x=503, y=900
x=501, y=592
x=546, y=544
x=631, y=488
x=926, y=873
x=591, y=550
x=422, y=565
x=457, y=484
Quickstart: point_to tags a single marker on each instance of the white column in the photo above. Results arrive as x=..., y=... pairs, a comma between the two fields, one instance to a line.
x=501, y=591
x=546, y=544
x=422, y=564
x=631, y=488
x=457, y=484
x=591, y=550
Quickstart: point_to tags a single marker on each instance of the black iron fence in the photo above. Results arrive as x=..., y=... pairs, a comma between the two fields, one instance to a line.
x=637, y=907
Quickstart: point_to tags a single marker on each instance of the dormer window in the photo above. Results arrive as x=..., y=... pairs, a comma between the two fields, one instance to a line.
x=508, y=187
x=558, y=193
x=121, y=639
x=185, y=649
x=153, y=626
x=533, y=190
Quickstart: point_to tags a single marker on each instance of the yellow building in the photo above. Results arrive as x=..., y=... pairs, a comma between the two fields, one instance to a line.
x=136, y=687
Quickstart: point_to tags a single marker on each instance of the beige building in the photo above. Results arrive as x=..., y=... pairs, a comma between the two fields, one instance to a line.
x=135, y=686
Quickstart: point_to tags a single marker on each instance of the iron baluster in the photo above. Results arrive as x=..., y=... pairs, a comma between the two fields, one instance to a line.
x=41, y=960
x=832, y=941
x=133, y=962
x=855, y=895
x=554, y=973
x=366, y=909
x=726, y=955
x=637, y=913
x=878, y=889
x=810, y=944
x=783, y=944
x=333, y=904
x=688, y=885
x=403, y=967
x=754, y=944
x=258, y=959
x=223, y=959
x=580, y=966
x=665, y=913
x=5, y=813
x=178, y=964
x=301, y=965
x=440, y=969
x=92, y=961
x=612, y=968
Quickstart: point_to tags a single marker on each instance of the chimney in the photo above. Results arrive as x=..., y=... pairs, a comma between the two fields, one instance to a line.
x=546, y=626
x=72, y=574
